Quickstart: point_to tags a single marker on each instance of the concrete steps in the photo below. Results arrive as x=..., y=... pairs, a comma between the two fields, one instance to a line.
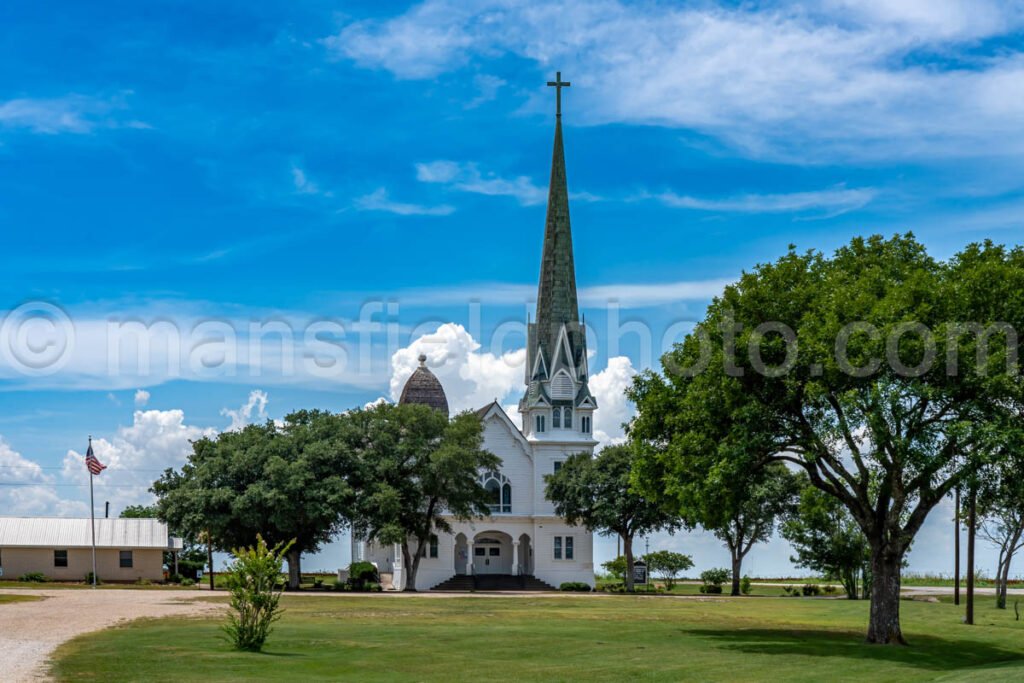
x=492, y=582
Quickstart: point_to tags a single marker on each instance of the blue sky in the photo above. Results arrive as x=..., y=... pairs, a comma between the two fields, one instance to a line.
x=381, y=168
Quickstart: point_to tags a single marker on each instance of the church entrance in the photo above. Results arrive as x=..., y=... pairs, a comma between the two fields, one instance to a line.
x=492, y=553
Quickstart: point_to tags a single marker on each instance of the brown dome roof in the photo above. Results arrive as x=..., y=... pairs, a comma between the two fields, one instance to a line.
x=424, y=388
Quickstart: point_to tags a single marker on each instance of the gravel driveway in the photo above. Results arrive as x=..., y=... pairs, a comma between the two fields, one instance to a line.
x=31, y=631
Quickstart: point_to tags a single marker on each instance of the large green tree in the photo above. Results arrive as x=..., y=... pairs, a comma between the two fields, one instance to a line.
x=597, y=493
x=415, y=471
x=283, y=482
x=881, y=372
x=828, y=540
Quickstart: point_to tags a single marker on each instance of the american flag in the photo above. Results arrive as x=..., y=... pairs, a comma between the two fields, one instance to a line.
x=94, y=465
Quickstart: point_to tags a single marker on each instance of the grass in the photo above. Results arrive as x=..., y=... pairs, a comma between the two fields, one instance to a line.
x=562, y=638
x=6, y=599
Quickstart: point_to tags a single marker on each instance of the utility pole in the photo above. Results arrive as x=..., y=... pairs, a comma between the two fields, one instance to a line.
x=956, y=549
x=972, y=519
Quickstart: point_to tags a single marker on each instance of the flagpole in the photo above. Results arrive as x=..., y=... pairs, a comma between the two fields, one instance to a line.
x=92, y=523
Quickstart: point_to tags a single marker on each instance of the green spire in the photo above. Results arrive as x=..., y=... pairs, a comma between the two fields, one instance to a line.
x=556, y=293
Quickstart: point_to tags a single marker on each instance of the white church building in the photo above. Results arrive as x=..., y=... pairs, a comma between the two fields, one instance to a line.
x=522, y=543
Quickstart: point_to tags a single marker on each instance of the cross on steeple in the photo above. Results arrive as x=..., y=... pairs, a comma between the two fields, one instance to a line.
x=558, y=84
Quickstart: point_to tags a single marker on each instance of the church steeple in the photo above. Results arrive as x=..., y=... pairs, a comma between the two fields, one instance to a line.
x=558, y=401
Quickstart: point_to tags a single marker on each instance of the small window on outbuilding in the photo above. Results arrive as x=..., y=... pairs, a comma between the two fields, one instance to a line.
x=433, y=545
x=60, y=558
x=126, y=559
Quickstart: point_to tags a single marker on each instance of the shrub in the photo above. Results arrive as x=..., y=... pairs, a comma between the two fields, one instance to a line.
x=174, y=578
x=614, y=587
x=713, y=580
x=361, y=575
x=339, y=585
x=88, y=579
x=373, y=587
x=143, y=582
x=253, y=580
x=829, y=589
x=33, y=577
x=318, y=582
x=575, y=587
x=811, y=589
x=791, y=591
x=188, y=582
x=745, y=585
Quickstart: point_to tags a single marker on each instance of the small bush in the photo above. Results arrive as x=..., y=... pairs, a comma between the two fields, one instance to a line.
x=339, y=585
x=713, y=580
x=829, y=589
x=361, y=574
x=143, y=582
x=614, y=587
x=318, y=582
x=574, y=587
x=188, y=582
x=88, y=579
x=33, y=577
x=253, y=580
x=174, y=578
x=791, y=591
x=372, y=587
x=811, y=589
x=745, y=585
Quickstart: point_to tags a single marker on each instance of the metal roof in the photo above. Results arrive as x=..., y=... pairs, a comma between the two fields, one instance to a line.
x=64, y=532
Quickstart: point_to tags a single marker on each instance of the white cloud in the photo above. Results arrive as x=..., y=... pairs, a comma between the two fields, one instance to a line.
x=252, y=412
x=613, y=409
x=76, y=114
x=471, y=377
x=846, y=79
x=487, y=89
x=378, y=200
x=825, y=203
x=141, y=398
x=466, y=177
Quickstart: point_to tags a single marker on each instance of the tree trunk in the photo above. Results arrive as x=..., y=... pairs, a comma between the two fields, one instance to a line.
x=737, y=564
x=884, y=622
x=849, y=581
x=209, y=558
x=412, y=565
x=294, y=569
x=627, y=549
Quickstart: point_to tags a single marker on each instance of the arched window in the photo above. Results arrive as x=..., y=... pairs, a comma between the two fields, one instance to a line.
x=499, y=491
x=556, y=418
x=567, y=417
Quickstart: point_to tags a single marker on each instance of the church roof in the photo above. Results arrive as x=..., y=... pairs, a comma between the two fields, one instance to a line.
x=424, y=388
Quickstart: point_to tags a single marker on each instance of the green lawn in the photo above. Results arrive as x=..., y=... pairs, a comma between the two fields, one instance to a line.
x=613, y=638
x=6, y=599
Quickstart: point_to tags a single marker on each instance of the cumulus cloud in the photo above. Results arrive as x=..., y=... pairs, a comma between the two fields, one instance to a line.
x=471, y=376
x=613, y=410
x=379, y=200
x=775, y=80
x=141, y=398
x=135, y=456
x=253, y=411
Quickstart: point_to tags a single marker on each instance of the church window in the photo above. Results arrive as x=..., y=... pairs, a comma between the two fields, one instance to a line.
x=479, y=552
x=556, y=418
x=499, y=491
x=567, y=417
x=585, y=424
x=558, y=466
x=558, y=547
x=568, y=547
x=540, y=424
x=60, y=558
x=433, y=545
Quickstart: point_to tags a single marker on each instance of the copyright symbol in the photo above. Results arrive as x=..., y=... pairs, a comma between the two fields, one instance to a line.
x=37, y=338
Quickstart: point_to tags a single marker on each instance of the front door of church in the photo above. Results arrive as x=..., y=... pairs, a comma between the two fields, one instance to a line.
x=487, y=559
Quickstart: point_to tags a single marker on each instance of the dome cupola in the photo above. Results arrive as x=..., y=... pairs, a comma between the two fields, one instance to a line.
x=424, y=388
